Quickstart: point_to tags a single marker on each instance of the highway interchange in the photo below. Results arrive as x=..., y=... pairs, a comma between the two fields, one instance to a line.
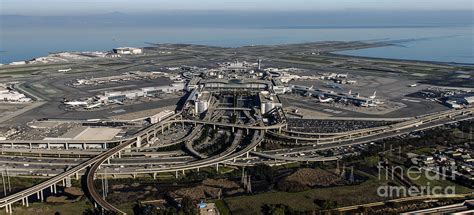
x=184, y=163
x=169, y=146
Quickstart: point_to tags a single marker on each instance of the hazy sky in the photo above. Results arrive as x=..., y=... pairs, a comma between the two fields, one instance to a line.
x=62, y=7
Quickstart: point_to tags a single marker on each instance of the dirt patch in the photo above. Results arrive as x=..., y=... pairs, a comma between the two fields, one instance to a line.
x=118, y=186
x=61, y=199
x=75, y=191
x=198, y=192
x=306, y=178
x=314, y=177
x=221, y=183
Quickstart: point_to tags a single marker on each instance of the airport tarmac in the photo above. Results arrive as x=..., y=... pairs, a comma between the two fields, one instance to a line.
x=410, y=110
x=390, y=78
x=53, y=110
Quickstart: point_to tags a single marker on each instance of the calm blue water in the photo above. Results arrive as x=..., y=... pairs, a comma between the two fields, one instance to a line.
x=446, y=44
x=458, y=49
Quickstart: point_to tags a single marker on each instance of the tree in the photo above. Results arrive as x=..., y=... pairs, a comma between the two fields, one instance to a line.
x=280, y=209
x=144, y=209
x=325, y=204
x=96, y=211
x=264, y=172
x=188, y=207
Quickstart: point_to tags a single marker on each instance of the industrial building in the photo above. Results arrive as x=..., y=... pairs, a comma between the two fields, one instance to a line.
x=160, y=116
x=458, y=101
x=201, y=104
x=16, y=63
x=14, y=97
x=469, y=100
x=278, y=87
x=193, y=84
x=135, y=75
x=88, y=133
x=235, y=67
x=236, y=84
x=143, y=92
x=9, y=95
x=268, y=102
x=128, y=50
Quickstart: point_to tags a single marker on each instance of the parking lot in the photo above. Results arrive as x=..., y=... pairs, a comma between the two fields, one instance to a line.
x=331, y=126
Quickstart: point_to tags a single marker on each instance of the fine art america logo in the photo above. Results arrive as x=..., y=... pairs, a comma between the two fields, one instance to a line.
x=414, y=173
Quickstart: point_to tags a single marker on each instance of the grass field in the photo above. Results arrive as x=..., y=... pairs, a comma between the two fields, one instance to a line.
x=344, y=195
x=127, y=208
x=18, y=183
x=25, y=182
x=424, y=181
x=423, y=151
x=49, y=209
x=222, y=207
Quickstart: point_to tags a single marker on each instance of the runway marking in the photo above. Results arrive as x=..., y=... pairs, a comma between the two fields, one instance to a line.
x=112, y=88
x=332, y=111
x=464, y=76
x=118, y=111
x=411, y=100
x=419, y=74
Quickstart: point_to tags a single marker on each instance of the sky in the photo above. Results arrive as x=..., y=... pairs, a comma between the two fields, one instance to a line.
x=68, y=7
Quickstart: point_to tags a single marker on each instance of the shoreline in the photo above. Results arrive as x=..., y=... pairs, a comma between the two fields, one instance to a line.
x=397, y=59
x=330, y=53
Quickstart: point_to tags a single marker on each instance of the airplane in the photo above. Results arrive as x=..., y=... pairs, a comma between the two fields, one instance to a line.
x=323, y=100
x=373, y=96
x=118, y=102
x=378, y=102
x=343, y=99
x=75, y=103
x=64, y=70
x=412, y=85
x=342, y=75
x=368, y=104
x=94, y=105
